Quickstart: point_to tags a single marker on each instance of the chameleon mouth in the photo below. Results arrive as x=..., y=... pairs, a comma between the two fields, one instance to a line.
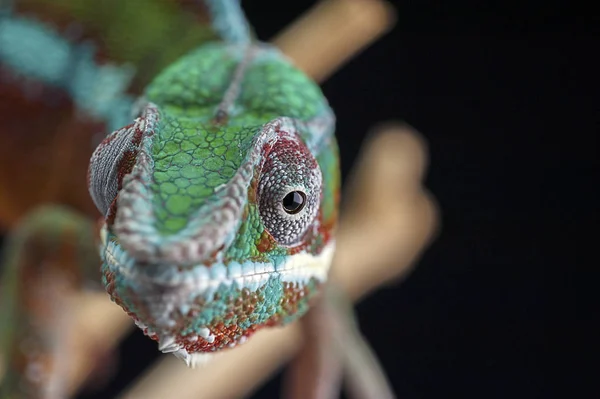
x=298, y=268
x=181, y=307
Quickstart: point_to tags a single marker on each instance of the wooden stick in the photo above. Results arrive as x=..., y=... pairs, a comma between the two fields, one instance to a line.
x=334, y=31
x=99, y=327
x=378, y=241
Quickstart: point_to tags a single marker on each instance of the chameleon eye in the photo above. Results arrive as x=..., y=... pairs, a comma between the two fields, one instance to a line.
x=113, y=159
x=289, y=190
x=294, y=202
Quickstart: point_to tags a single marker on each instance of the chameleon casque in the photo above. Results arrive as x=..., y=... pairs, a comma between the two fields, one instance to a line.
x=220, y=198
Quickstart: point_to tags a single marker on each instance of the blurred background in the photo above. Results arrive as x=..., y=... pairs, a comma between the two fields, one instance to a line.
x=505, y=95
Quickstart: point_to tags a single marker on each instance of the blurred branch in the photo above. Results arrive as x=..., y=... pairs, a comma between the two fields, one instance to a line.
x=328, y=35
x=98, y=328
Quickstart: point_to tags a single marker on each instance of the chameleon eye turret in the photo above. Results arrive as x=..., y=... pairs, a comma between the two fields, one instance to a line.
x=289, y=192
x=112, y=160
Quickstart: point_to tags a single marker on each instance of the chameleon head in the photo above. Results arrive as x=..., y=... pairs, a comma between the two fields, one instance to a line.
x=213, y=230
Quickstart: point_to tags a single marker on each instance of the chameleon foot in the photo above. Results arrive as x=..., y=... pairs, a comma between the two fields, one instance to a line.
x=45, y=260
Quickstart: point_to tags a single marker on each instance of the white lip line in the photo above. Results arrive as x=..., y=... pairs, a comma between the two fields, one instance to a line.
x=314, y=263
x=287, y=274
x=309, y=266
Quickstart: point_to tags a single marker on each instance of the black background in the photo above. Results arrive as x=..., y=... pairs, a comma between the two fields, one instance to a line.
x=504, y=95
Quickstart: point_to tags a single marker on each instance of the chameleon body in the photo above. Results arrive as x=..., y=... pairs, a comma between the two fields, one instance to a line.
x=220, y=199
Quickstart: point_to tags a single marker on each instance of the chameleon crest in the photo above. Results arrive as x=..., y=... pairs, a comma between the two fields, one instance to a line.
x=220, y=199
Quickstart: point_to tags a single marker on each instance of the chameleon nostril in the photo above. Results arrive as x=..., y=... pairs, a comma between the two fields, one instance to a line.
x=294, y=202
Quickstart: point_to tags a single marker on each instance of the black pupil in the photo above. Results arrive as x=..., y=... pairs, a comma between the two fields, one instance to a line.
x=294, y=202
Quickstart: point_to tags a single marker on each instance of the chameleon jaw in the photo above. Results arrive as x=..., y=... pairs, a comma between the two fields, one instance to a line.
x=296, y=269
x=184, y=309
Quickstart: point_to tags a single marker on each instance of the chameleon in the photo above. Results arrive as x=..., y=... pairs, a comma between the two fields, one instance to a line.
x=220, y=198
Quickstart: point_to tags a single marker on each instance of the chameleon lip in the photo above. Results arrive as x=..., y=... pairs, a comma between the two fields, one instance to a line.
x=299, y=267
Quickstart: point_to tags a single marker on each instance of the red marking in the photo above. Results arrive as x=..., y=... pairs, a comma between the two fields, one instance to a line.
x=110, y=284
x=317, y=236
x=209, y=261
x=266, y=148
x=290, y=150
x=253, y=189
x=266, y=243
x=226, y=330
x=293, y=294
